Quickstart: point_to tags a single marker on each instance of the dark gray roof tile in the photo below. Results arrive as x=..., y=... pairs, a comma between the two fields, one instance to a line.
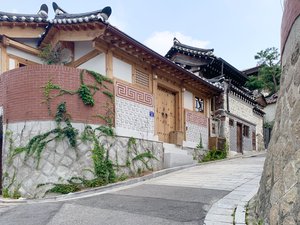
x=41, y=16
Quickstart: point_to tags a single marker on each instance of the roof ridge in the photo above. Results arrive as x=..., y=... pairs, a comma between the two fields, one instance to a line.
x=179, y=44
x=40, y=16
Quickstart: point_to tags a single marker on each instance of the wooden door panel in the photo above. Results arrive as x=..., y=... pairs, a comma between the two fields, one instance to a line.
x=165, y=113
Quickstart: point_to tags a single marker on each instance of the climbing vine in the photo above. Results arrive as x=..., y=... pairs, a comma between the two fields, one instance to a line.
x=135, y=156
x=85, y=91
x=38, y=143
x=6, y=193
x=103, y=169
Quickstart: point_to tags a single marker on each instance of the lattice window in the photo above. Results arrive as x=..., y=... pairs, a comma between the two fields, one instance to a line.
x=246, y=131
x=142, y=78
x=199, y=104
x=231, y=122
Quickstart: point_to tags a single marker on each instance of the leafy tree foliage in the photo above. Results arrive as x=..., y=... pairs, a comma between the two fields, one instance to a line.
x=268, y=78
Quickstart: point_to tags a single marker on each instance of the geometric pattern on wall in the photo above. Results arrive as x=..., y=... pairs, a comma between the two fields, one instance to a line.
x=196, y=118
x=132, y=94
x=133, y=116
x=194, y=132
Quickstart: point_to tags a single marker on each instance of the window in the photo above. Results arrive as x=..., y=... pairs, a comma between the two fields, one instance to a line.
x=199, y=104
x=231, y=122
x=213, y=128
x=246, y=131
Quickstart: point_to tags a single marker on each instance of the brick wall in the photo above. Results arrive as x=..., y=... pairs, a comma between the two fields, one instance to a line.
x=21, y=94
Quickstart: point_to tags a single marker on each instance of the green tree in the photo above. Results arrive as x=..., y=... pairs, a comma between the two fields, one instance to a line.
x=268, y=78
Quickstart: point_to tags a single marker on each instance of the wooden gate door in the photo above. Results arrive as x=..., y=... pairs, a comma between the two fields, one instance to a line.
x=165, y=113
x=1, y=142
x=239, y=138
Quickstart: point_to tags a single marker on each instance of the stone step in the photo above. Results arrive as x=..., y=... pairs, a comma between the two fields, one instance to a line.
x=175, y=156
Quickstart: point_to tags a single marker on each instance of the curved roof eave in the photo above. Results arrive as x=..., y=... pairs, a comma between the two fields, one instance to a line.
x=162, y=58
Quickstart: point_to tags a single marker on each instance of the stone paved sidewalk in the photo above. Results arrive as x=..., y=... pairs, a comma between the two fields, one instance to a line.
x=239, y=176
x=207, y=193
x=221, y=212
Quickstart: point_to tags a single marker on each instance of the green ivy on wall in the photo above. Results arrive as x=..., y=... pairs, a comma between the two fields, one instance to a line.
x=85, y=91
x=104, y=170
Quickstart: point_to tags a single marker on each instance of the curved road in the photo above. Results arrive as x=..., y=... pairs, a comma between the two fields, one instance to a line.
x=182, y=197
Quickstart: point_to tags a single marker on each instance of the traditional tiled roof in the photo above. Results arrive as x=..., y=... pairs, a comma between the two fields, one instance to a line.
x=258, y=111
x=252, y=71
x=209, y=64
x=40, y=17
x=62, y=17
x=177, y=46
x=243, y=93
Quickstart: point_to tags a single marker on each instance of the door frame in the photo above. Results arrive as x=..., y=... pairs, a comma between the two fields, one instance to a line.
x=178, y=102
x=239, y=137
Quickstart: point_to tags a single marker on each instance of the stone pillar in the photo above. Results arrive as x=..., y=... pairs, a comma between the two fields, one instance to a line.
x=278, y=199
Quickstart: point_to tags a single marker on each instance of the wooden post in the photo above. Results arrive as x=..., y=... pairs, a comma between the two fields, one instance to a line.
x=154, y=91
x=109, y=64
x=180, y=111
x=4, y=59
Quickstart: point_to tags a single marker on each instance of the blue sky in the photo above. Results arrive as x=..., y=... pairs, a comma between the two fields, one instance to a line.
x=236, y=29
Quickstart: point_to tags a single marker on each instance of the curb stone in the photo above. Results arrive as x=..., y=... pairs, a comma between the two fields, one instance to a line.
x=125, y=183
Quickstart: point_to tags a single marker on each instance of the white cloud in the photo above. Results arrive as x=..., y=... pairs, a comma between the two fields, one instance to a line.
x=118, y=23
x=161, y=42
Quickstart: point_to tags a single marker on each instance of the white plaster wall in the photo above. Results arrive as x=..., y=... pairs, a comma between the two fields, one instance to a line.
x=97, y=64
x=270, y=111
x=11, y=64
x=81, y=48
x=24, y=55
x=188, y=100
x=122, y=70
x=134, y=120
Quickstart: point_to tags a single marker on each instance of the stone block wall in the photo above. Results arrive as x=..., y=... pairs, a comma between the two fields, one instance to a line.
x=278, y=198
x=196, y=125
x=60, y=162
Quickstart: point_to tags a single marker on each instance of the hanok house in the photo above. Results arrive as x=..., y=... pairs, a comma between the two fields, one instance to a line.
x=155, y=101
x=235, y=115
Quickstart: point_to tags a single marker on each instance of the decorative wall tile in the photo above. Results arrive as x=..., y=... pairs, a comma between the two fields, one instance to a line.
x=126, y=92
x=196, y=128
x=134, y=116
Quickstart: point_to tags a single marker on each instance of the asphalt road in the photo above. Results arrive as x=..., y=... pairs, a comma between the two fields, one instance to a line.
x=183, y=197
